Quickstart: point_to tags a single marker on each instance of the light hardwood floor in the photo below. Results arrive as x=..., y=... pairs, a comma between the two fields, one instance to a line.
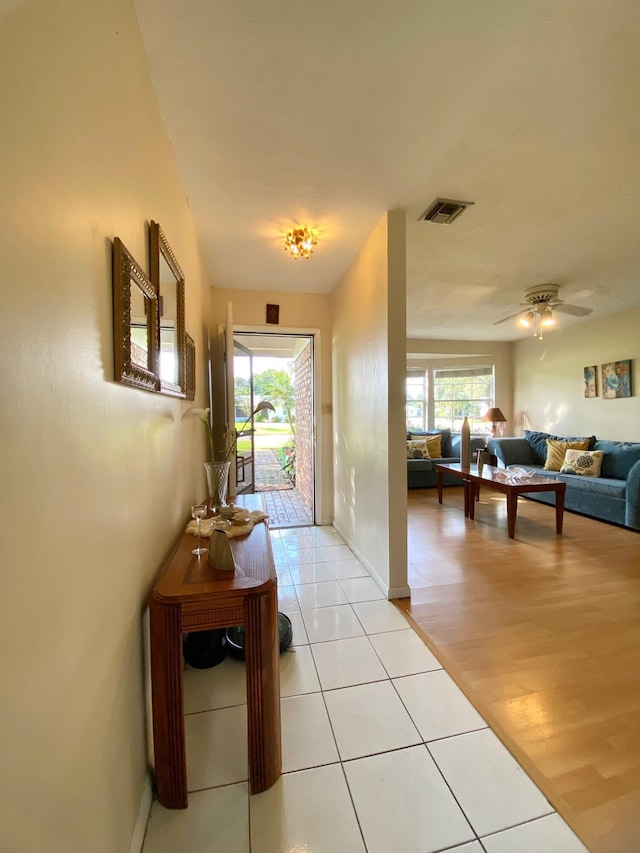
x=543, y=635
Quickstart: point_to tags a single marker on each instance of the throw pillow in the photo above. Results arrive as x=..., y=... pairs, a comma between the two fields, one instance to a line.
x=417, y=450
x=587, y=463
x=538, y=443
x=556, y=451
x=434, y=446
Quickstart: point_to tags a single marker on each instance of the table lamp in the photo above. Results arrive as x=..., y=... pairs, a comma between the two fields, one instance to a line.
x=495, y=417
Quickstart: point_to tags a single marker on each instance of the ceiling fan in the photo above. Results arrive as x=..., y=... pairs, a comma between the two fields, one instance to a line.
x=540, y=303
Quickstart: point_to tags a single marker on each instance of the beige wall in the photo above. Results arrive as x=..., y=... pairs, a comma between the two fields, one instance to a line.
x=97, y=478
x=300, y=313
x=549, y=379
x=368, y=405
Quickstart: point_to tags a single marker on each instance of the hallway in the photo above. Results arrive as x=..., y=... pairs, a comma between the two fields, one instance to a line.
x=381, y=750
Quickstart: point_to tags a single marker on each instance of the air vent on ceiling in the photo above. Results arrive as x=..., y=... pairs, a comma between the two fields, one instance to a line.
x=444, y=211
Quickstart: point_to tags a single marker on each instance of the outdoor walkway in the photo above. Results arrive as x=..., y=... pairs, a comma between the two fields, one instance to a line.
x=286, y=509
x=268, y=472
x=282, y=500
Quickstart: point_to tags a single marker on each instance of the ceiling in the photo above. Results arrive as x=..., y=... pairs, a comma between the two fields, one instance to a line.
x=330, y=114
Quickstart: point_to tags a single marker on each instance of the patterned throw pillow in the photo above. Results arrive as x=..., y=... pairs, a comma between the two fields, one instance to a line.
x=417, y=450
x=556, y=451
x=538, y=443
x=432, y=443
x=585, y=462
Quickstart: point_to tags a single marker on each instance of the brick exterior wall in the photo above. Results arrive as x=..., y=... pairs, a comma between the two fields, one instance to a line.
x=304, y=425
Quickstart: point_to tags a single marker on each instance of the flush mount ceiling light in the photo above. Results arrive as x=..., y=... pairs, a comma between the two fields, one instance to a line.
x=300, y=242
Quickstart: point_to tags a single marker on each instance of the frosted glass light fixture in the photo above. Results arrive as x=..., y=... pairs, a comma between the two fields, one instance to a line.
x=538, y=317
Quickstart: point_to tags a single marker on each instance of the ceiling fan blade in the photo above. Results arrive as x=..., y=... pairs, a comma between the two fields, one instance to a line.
x=509, y=317
x=575, y=310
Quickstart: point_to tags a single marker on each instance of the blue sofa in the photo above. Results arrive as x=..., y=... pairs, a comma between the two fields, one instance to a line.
x=614, y=496
x=421, y=473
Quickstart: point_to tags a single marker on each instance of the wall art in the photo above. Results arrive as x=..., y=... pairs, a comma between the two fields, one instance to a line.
x=616, y=379
x=590, y=381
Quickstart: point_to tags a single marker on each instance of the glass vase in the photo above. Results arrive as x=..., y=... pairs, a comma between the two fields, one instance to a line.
x=217, y=483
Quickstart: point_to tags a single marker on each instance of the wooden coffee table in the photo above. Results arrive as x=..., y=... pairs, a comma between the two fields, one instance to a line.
x=498, y=480
x=456, y=470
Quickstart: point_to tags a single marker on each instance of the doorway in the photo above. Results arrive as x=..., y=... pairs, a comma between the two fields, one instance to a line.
x=276, y=456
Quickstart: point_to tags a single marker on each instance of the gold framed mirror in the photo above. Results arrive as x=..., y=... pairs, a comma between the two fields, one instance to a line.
x=168, y=280
x=135, y=322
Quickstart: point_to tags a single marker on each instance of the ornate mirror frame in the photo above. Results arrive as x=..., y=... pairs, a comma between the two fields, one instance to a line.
x=135, y=309
x=168, y=280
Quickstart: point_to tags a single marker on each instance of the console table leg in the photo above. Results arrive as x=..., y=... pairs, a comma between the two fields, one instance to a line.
x=168, y=705
x=439, y=480
x=262, y=652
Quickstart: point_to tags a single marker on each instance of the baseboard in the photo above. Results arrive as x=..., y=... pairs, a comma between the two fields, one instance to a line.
x=388, y=592
x=399, y=592
x=140, y=826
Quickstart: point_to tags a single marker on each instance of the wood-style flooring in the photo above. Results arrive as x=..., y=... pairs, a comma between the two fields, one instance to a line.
x=543, y=635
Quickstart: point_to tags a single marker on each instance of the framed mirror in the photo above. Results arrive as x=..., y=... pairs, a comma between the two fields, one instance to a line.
x=168, y=280
x=135, y=322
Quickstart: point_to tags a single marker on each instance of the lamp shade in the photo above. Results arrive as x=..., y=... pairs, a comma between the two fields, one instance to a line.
x=494, y=416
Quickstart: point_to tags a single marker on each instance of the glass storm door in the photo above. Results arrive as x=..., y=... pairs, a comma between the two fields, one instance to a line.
x=243, y=407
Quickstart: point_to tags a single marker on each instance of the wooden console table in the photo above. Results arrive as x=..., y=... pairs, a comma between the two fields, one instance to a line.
x=191, y=596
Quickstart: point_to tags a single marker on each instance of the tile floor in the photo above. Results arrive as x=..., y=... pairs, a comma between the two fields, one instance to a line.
x=381, y=750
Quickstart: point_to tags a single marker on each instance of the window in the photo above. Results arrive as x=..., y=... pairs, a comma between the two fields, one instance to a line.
x=462, y=392
x=416, y=400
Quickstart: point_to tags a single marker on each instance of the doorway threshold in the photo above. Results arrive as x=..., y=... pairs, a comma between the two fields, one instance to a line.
x=286, y=509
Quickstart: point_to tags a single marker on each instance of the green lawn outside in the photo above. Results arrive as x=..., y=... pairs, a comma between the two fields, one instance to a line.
x=266, y=437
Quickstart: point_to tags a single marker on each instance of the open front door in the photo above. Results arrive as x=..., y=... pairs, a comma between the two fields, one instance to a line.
x=239, y=397
x=230, y=396
x=243, y=394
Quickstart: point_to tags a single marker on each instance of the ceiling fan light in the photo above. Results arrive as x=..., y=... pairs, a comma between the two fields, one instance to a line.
x=526, y=320
x=547, y=317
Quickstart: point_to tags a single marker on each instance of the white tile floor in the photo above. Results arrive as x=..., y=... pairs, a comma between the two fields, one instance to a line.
x=381, y=750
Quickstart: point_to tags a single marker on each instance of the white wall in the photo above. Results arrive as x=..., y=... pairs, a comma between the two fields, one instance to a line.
x=368, y=405
x=549, y=383
x=300, y=313
x=96, y=477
